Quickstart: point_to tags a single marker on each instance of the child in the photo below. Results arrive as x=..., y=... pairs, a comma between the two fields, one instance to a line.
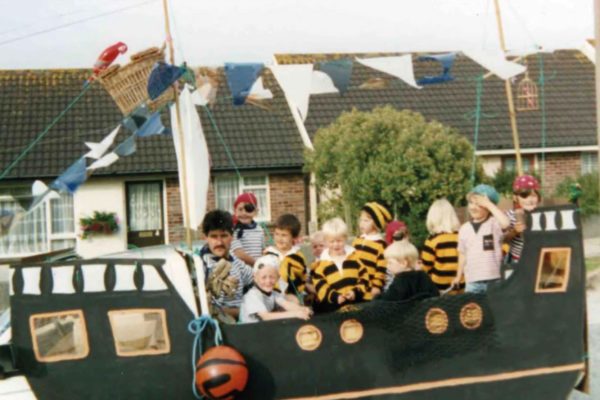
x=248, y=236
x=370, y=245
x=293, y=268
x=261, y=302
x=401, y=257
x=440, y=251
x=526, y=197
x=317, y=245
x=396, y=231
x=340, y=277
x=480, y=240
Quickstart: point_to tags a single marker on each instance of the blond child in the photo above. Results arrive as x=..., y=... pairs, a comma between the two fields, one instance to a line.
x=526, y=197
x=262, y=302
x=480, y=240
x=408, y=282
x=370, y=245
x=340, y=277
x=440, y=252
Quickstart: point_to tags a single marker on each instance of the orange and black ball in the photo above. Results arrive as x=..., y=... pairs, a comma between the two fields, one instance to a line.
x=221, y=373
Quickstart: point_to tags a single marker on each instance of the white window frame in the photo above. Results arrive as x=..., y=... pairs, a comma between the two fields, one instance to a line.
x=249, y=188
x=49, y=235
x=588, y=164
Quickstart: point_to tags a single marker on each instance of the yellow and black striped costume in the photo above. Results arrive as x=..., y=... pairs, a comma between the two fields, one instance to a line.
x=370, y=253
x=292, y=269
x=440, y=259
x=330, y=282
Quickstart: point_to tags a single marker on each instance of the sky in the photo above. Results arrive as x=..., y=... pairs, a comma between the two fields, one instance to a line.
x=72, y=33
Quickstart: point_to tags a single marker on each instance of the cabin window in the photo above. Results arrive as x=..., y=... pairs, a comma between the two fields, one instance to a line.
x=228, y=188
x=140, y=332
x=589, y=163
x=59, y=336
x=553, y=270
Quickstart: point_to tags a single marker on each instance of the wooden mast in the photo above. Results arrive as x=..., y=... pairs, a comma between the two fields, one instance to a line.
x=509, y=96
x=183, y=181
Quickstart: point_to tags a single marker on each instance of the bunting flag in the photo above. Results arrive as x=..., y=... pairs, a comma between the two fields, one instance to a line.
x=7, y=219
x=321, y=83
x=104, y=162
x=240, y=78
x=206, y=92
x=137, y=118
x=339, y=71
x=496, y=63
x=126, y=147
x=152, y=126
x=70, y=180
x=447, y=61
x=258, y=91
x=401, y=67
x=161, y=78
x=296, y=81
x=196, y=158
x=97, y=150
x=41, y=193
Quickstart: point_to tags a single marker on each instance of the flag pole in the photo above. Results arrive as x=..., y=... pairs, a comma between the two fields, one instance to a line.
x=184, y=200
x=509, y=96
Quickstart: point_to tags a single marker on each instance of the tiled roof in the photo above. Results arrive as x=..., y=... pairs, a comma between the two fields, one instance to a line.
x=263, y=137
x=569, y=93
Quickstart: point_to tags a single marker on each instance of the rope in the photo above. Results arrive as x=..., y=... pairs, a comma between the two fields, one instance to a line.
x=44, y=132
x=196, y=327
x=479, y=91
x=232, y=161
x=542, y=81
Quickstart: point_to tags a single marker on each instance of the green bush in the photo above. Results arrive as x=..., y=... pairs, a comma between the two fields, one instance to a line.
x=393, y=156
x=588, y=201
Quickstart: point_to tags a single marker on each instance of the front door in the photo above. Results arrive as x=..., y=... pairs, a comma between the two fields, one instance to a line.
x=145, y=214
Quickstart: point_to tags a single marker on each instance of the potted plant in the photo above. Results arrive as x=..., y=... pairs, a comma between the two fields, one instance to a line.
x=100, y=223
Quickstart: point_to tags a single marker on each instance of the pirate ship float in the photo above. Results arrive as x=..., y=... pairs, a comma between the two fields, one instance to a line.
x=117, y=328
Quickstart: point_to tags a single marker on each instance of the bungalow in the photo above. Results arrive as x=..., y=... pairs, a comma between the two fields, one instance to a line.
x=264, y=142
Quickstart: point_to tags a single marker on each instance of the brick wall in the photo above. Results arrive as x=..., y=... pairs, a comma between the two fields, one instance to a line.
x=558, y=167
x=287, y=194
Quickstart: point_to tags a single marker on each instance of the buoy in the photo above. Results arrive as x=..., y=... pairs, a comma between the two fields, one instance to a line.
x=221, y=373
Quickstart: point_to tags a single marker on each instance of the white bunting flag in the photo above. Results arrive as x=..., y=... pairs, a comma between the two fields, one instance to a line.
x=103, y=162
x=97, y=150
x=495, y=62
x=401, y=67
x=322, y=83
x=295, y=81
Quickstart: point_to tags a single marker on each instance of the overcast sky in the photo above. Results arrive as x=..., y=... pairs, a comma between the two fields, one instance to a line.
x=72, y=33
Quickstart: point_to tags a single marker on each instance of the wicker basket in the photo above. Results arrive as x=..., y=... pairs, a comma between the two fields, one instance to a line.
x=128, y=85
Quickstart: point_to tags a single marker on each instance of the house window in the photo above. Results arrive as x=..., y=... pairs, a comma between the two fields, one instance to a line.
x=140, y=332
x=553, y=269
x=228, y=188
x=49, y=227
x=59, y=336
x=589, y=163
x=510, y=164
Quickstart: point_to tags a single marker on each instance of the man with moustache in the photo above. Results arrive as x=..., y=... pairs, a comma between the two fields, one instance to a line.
x=226, y=275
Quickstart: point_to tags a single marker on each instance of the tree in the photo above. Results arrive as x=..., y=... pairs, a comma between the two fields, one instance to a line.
x=588, y=201
x=393, y=156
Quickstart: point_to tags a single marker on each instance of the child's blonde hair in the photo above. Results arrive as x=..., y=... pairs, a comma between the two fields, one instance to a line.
x=317, y=237
x=268, y=261
x=335, y=227
x=402, y=250
x=441, y=218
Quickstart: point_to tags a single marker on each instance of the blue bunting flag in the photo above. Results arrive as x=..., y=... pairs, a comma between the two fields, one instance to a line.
x=240, y=78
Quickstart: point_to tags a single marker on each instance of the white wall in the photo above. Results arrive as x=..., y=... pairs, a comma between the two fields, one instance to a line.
x=491, y=165
x=106, y=196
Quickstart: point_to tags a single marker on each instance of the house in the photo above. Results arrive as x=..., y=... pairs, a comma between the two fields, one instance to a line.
x=142, y=189
x=264, y=143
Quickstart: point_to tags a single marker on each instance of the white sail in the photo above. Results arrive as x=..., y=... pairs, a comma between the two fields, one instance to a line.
x=195, y=150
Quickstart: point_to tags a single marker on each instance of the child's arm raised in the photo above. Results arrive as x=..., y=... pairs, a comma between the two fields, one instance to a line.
x=496, y=212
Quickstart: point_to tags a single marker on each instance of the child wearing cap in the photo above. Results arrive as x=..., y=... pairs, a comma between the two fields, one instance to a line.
x=440, y=251
x=526, y=197
x=480, y=240
x=262, y=302
x=409, y=281
x=340, y=277
x=370, y=245
x=248, y=237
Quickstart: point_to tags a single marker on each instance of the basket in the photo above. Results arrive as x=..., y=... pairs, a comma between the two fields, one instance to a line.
x=128, y=85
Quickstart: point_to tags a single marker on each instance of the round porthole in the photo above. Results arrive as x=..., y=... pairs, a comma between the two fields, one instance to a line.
x=471, y=316
x=309, y=337
x=351, y=331
x=436, y=321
